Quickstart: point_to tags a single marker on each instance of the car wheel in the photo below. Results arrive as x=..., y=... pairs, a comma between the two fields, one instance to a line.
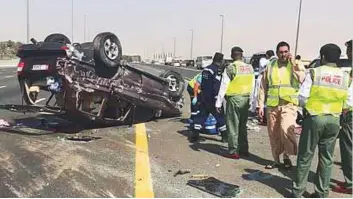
x=107, y=49
x=176, y=84
x=57, y=37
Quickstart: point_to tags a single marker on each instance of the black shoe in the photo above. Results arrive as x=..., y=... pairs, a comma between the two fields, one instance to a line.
x=287, y=163
x=194, y=136
x=272, y=166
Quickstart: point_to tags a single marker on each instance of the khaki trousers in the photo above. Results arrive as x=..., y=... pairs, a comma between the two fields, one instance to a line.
x=281, y=122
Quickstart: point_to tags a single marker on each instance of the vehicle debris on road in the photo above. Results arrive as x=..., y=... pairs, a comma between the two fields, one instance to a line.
x=181, y=172
x=4, y=123
x=83, y=138
x=216, y=187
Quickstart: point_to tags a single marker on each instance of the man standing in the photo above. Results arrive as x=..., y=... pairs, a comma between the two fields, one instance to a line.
x=345, y=140
x=210, y=84
x=238, y=82
x=280, y=85
x=322, y=94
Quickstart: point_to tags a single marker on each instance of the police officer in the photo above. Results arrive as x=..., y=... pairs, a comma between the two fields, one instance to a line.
x=193, y=90
x=323, y=93
x=210, y=84
x=345, y=140
x=238, y=82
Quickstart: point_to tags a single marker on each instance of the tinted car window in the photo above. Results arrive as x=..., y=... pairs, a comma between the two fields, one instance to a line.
x=341, y=63
x=345, y=63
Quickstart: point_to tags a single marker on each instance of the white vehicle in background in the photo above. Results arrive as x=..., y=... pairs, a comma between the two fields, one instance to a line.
x=177, y=62
x=168, y=60
x=203, y=61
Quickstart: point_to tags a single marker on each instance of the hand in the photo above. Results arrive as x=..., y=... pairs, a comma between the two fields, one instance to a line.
x=293, y=62
x=261, y=113
x=194, y=101
x=345, y=111
x=218, y=109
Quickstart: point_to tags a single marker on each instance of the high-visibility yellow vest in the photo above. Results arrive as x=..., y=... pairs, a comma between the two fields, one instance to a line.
x=281, y=86
x=242, y=84
x=328, y=92
x=193, y=80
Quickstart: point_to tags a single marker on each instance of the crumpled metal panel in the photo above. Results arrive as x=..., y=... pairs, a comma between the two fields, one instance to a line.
x=127, y=84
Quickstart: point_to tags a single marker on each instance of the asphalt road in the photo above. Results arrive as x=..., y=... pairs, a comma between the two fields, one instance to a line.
x=140, y=161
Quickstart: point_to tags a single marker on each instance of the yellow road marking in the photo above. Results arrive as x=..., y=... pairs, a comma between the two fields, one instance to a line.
x=143, y=181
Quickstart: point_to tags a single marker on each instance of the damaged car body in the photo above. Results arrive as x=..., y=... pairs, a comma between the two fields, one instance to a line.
x=91, y=80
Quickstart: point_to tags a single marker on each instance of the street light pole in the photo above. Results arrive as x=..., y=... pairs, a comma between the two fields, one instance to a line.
x=192, y=42
x=298, y=26
x=84, y=27
x=72, y=20
x=174, y=46
x=27, y=21
x=222, y=33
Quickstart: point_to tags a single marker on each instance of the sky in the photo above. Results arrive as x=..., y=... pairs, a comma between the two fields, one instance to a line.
x=145, y=27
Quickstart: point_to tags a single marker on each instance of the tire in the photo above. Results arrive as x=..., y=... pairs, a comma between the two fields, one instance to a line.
x=107, y=49
x=57, y=37
x=175, y=92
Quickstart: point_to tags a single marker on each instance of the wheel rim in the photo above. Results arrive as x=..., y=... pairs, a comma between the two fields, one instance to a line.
x=173, y=83
x=32, y=99
x=111, y=49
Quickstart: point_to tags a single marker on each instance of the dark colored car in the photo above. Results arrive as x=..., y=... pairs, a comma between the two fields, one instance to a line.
x=345, y=64
x=255, y=62
x=90, y=79
x=188, y=63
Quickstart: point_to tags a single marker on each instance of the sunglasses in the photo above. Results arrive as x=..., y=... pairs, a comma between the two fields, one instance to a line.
x=283, y=51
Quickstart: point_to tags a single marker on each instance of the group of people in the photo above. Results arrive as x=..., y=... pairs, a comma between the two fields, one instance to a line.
x=324, y=93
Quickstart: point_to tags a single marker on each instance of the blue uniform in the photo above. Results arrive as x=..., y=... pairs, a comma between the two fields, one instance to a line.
x=210, y=85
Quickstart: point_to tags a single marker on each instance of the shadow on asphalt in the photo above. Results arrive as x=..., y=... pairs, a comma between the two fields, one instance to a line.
x=218, y=149
x=44, y=124
x=281, y=185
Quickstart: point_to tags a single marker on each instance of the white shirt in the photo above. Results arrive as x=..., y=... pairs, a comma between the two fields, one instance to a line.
x=263, y=63
x=304, y=91
x=223, y=89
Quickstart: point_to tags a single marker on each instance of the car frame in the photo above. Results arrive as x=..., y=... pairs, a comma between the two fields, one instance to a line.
x=104, y=91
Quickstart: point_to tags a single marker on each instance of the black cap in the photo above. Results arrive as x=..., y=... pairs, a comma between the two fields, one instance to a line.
x=331, y=51
x=349, y=44
x=218, y=57
x=237, y=49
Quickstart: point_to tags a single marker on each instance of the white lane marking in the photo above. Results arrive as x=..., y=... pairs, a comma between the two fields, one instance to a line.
x=41, y=99
x=2, y=86
x=9, y=76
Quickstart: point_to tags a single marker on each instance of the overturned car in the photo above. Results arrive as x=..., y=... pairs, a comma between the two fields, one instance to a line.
x=91, y=80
